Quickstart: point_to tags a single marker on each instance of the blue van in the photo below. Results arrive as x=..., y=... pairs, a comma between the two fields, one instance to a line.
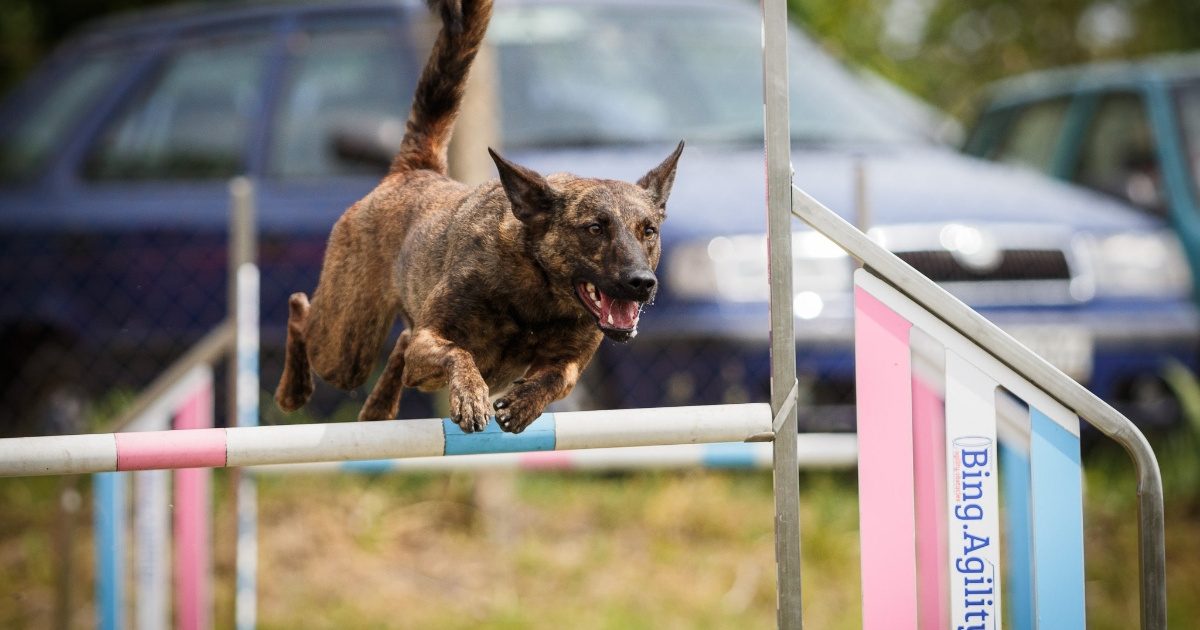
x=115, y=155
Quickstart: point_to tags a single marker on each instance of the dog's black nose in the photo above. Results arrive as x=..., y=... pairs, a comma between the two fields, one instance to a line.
x=640, y=282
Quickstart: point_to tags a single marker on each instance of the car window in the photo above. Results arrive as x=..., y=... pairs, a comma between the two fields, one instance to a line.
x=28, y=141
x=1033, y=135
x=984, y=136
x=1187, y=102
x=337, y=78
x=1118, y=155
x=633, y=74
x=191, y=121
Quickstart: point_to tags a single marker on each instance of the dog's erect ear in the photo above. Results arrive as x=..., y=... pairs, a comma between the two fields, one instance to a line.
x=658, y=181
x=530, y=194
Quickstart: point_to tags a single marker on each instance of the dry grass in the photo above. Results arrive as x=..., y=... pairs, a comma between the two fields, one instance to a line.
x=659, y=551
x=671, y=550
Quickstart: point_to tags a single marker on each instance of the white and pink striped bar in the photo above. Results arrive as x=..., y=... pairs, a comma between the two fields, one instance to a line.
x=286, y=444
x=814, y=451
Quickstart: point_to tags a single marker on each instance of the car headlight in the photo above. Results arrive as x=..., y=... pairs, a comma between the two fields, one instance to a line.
x=1142, y=264
x=734, y=269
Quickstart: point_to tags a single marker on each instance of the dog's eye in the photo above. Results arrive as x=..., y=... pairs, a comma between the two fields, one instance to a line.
x=595, y=229
x=650, y=231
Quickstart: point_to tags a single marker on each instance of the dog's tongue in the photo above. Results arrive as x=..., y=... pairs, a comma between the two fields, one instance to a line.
x=621, y=314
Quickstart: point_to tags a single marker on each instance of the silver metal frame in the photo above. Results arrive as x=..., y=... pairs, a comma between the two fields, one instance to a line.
x=783, y=337
x=780, y=194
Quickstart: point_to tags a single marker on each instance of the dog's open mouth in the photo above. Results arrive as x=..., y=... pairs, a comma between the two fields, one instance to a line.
x=616, y=317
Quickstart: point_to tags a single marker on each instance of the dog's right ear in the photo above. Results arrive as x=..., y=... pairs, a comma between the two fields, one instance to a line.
x=530, y=194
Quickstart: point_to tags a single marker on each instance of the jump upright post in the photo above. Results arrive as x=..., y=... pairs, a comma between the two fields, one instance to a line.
x=784, y=390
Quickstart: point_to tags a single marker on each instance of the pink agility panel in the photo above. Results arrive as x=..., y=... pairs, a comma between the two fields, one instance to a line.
x=885, y=465
x=192, y=571
x=150, y=450
x=933, y=559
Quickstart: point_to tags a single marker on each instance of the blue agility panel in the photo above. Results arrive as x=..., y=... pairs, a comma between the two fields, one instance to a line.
x=1057, y=524
x=108, y=495
x=1014, y=482
x=538, y=436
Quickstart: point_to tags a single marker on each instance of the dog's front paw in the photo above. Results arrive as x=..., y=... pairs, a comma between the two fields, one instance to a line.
x=515, y=413
x=469, y=408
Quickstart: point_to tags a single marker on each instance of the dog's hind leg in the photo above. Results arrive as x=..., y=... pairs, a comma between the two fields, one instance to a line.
x=296, y=384
x=384, y=401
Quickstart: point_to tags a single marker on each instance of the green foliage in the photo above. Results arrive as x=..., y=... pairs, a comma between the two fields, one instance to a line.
x=946, y=50
x=29, y=29
x=1179, y=452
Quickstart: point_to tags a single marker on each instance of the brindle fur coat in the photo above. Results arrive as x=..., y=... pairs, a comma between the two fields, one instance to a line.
x=507, y=288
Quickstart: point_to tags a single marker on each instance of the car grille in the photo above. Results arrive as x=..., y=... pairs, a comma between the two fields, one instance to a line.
x=1016, y=265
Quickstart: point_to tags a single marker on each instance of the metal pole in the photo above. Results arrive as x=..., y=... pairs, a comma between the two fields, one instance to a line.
x=243, y=398
x=783, y=339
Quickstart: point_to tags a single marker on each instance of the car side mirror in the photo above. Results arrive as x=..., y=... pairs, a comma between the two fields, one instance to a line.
x=368, y=140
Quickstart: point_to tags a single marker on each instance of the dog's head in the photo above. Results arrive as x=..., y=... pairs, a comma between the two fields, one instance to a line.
x=596, y=240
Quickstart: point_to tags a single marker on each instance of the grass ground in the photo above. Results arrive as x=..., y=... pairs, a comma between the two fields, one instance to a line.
x=670, y=550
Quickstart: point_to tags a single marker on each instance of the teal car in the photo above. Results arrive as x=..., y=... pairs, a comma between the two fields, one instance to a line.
x=1130, y=130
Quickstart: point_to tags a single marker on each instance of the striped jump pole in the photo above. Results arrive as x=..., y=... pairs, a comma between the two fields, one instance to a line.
x=288, y=444
x=815, y=450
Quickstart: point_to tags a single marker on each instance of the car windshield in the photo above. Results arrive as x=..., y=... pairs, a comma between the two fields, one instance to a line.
x=631, y=74
x=1188, y=101
x=24, y=146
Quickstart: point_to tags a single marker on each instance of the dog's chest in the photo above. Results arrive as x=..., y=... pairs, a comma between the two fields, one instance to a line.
x=513, y=346
x=508, y=356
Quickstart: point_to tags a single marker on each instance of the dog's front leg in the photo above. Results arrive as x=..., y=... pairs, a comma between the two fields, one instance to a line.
x=432, y=362
x=544, y=383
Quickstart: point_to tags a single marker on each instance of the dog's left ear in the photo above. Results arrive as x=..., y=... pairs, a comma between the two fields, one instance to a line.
x=530, y=194
x=658, y=181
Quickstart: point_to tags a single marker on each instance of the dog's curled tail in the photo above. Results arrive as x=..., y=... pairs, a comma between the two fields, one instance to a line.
x=440, y=88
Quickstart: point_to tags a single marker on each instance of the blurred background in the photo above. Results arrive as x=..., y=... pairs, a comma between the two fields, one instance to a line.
x=1040, y=160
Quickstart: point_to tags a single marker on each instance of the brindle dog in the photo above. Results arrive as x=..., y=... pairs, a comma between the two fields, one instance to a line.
x=505, y=288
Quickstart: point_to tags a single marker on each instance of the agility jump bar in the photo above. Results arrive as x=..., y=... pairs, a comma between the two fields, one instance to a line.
x=392, y=439
x=815, y=450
